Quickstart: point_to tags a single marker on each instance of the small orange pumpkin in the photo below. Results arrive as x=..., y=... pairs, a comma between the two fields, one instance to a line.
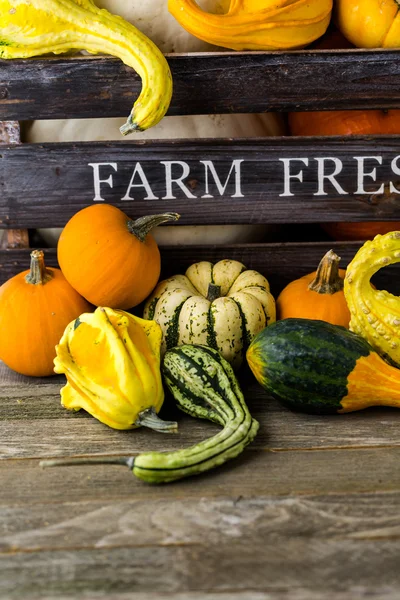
x=110, y=259
x=35, y=308
x=318, y=295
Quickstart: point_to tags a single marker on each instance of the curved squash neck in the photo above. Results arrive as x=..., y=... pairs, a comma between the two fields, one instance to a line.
x=38, y=273
x=59, y=26
x=327, y=279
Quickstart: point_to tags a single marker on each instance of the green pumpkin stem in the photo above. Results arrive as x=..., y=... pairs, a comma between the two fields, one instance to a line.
x=327, y=279
x=149, y=418
x=142, y=226
x=38, y=272
x=214, y=292
x=76, y=462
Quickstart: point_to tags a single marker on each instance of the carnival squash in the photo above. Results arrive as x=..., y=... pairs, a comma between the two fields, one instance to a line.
x=159, y=25
x=222, y=306
x=35, y=308
x=109, y=259
x=35, y=27
x=256, y=24
x=375, y=314
x=318, y=295
x=316, y=367
x=369, y=23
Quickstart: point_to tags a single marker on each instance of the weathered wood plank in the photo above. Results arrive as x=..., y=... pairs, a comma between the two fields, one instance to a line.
x=280, y=546
x=255, y=473
x=280, y=263
x=33, y=424
x=220, y=181
x=241, y=83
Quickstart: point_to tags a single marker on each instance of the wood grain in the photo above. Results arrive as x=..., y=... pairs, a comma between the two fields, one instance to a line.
x=51, y=88
x=279, y=262
x=44, y=185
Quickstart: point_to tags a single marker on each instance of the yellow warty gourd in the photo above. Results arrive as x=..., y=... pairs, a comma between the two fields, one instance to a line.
x=112, y=363
x=256, y=24
x=370, y=23
x=35, y=27
x=375, y=314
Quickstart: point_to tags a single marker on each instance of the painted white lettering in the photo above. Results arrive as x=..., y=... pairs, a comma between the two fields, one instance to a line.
x=288, y=175
x=169, y=180
x=396, y=171
x=209, y=165
x=331, y=178
x=97, y=181
x=143, y=183
x=362, y=174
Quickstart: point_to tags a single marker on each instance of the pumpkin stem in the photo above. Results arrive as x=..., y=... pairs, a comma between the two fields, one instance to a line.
x=76, y=462
x=38, y=272
x=141, y=227
x=327, y=279
x=149, y=418
x=214, y=292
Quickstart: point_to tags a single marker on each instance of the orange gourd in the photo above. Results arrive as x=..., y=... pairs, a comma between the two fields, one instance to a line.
x=110, y=259
x=318, y=295
x=35, y=308
x=347, y=122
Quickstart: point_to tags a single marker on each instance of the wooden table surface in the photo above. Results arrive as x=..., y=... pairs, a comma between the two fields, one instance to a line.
x=309, y=511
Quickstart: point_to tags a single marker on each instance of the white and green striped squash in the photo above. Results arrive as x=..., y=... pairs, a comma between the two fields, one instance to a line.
x=222, y=306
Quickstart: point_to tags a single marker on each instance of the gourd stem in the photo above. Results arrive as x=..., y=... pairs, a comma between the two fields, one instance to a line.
x=38, y=272
x=76, y=462
x=327, y=279
x=214, y=292
x=141, y=227
x=149, y=418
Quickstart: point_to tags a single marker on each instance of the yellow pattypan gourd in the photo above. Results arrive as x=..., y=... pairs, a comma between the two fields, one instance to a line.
x=112, y=363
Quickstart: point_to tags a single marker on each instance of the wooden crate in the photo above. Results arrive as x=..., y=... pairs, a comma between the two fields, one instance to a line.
x=311, y=509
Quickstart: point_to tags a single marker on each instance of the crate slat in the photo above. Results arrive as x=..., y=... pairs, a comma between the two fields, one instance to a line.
x=281, y=263
x=204, y=83
x=45, y=185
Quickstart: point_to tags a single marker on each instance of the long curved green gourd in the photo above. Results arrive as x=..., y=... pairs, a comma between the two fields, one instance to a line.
x=204, y=386
x=316, y=367
x=35, y=27
x=375, y=314
x=256, y=24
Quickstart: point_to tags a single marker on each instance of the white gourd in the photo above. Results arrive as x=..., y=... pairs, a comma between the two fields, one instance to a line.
x=153, y=19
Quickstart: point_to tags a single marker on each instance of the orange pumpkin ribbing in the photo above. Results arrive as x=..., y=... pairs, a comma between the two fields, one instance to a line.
x=104, y=261
x=33, y=317
x=318, y=295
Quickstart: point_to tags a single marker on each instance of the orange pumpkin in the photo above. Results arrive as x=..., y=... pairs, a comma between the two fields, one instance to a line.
x=35, y=308
x=110, y=259
x=318, y=295
x=359, y=231
x=347, y=122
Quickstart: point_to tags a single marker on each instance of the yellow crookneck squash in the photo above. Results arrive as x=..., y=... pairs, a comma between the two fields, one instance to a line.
x=222, y=306
x=318, y=295
x=369, y=23
x=256, y=24
x=375, y=314
x=35, y=27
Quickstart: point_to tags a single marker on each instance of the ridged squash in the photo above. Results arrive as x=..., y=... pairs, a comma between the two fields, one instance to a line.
x=316, y=367
x=222, y=306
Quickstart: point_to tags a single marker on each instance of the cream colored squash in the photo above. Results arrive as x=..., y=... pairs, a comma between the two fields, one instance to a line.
x=152, y=17
x=223, y=306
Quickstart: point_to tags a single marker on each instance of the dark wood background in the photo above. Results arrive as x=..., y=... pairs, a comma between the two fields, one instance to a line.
x=204, y=83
